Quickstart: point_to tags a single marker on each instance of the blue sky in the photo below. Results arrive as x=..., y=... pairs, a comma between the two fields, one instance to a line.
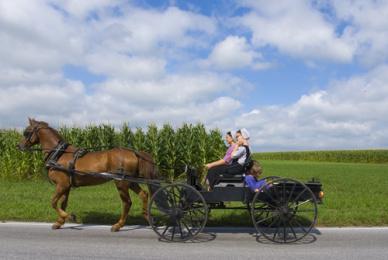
x=300, y=75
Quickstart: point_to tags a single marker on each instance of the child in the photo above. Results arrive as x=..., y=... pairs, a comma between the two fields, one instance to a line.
x=251, y=179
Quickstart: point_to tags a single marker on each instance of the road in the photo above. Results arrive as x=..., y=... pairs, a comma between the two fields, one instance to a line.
x=38, y=241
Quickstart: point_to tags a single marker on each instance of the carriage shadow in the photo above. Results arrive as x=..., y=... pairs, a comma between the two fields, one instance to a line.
x=308, y=239
x=202, y=237
x=207, y=235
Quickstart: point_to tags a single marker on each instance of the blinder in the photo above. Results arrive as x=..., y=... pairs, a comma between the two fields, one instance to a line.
x=29, y=133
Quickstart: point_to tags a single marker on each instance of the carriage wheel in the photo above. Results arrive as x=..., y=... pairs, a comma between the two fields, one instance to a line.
x=177, y=212
x=284, y=211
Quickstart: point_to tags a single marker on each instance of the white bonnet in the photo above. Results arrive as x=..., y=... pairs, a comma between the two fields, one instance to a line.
x=245, y=133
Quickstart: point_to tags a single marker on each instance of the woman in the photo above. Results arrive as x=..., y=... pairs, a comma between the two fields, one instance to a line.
x=228, y=155
x=239, y=156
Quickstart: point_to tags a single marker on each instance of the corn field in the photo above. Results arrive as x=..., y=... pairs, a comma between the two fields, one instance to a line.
x=171, y=148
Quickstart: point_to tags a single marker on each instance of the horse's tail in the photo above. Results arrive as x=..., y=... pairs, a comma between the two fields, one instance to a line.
x=148, y=169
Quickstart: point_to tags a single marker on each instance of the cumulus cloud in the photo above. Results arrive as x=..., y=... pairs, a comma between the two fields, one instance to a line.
x=366, y=26
x=129, y=49
x=295, y=28
x=349, y=114
x=235, y=52
x=148, y=60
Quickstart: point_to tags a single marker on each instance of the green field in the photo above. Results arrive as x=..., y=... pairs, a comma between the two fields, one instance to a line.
x=355, y=195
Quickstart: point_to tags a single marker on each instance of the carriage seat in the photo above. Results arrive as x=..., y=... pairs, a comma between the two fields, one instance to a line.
x=237, y=180
x=227, y=180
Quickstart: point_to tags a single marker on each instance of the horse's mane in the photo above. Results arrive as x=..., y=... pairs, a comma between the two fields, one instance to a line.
x=54, y=131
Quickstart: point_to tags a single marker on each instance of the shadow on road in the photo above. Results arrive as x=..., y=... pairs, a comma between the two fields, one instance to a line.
x=200, y=238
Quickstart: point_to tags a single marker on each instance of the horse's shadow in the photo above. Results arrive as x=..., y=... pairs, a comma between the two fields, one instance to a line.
x=98, y=218
x=109, y=218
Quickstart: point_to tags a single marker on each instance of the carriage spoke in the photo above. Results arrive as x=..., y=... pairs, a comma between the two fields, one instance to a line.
x=266, y=191
x=188, y=228
x=262, y=220
x=173, y=233
x=293, y=231
x=292, y=192
x=284, y=231
x=300, y=225
x=165, y=230
x=277, y=229
x=300, y=204
x=180, y=228
x=300, y=194
x=276, y=192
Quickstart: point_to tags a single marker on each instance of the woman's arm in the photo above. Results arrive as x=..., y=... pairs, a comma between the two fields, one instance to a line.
x=216, y=163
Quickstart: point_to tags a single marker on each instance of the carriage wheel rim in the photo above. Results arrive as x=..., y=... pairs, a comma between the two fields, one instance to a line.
x=284, y=217
x=181, y=223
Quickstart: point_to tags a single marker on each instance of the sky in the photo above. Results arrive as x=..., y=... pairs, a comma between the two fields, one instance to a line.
x=298, y=74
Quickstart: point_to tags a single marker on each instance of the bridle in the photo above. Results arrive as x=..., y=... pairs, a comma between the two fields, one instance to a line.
x=29, y=133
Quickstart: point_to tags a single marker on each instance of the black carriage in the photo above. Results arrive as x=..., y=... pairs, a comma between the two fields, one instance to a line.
x=283, y=211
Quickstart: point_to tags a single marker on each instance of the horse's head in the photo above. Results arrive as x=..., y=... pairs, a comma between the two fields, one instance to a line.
x=31, y=134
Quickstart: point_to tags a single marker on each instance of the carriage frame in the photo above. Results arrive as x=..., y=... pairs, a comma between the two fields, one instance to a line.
x=283, y=211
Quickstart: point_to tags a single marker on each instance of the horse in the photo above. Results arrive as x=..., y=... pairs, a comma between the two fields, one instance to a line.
x=74, y=170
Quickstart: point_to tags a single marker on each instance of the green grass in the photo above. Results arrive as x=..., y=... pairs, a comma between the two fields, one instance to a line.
x=355, y=195
x=348, y=156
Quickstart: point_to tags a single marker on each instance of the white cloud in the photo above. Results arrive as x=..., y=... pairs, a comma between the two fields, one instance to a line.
x=81, y=9
x=47, y=102
x=349, y=114
x=366, y=27
x=148, y=58
x=123, y=66
x=295, y=28
x=142, y=31
x=234, y=52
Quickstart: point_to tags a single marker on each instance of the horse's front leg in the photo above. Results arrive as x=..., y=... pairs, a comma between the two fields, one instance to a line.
x=122, y=187
x=60, y=193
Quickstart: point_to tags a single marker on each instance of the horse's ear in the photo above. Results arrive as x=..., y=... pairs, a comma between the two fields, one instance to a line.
x=32, y=121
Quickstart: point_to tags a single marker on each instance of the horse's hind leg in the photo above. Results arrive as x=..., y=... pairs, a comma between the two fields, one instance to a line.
x=122, y=187
x=143, y=196
x=62, y=192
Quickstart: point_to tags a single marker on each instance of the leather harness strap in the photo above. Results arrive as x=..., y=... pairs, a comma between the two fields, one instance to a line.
x=71, y=168
x=53, y=157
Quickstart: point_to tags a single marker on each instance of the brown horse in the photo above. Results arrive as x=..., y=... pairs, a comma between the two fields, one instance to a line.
x=134, y=164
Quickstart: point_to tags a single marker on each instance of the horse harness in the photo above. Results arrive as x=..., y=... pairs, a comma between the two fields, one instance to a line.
x=51, y=160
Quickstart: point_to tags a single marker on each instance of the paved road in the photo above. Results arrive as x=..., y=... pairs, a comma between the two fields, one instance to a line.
x=38, y=241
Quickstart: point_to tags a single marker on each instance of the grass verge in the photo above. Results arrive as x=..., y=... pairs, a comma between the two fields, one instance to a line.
x=355, y=195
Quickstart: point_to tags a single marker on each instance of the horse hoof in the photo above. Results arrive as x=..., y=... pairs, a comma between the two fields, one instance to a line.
x=115, y=228
x=56, y=226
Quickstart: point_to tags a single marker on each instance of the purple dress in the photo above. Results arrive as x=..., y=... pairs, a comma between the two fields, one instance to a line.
x=228, y=154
